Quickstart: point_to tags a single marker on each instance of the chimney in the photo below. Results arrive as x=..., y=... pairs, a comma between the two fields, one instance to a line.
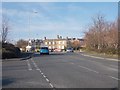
x=57, y=36
x=44, y=38
x=60, y=37
x=67, y=38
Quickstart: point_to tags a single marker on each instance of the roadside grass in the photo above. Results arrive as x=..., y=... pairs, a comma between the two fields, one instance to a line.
x=103, y=55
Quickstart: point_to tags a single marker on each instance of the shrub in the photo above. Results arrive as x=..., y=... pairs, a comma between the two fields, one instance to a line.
x=10, y=51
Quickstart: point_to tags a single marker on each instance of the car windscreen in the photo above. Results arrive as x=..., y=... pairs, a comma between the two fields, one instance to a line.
x=44, y=48
x=69, y=48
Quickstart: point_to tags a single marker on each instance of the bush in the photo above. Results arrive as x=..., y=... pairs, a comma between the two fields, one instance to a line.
x=10, y=51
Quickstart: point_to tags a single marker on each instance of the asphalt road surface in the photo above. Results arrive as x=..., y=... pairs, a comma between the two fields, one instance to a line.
x=60, y=70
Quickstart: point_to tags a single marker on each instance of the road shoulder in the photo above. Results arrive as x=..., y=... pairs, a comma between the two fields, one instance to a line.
x=93, y=56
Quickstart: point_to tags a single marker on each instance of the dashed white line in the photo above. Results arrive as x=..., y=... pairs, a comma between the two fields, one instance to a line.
x=114, y=78
x=47, y=80
x=72, y=63
x=29, y=66
x=98, y=72
x=44, y=76
x=35, y=65
x=101, y=57
x=51, y=85
x=42, y=73
x=37, y=68
x=88, y=69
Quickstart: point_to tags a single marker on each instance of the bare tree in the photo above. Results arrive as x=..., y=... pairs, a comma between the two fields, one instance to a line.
x=22, y=44
x=5, y=28
x=102, y=35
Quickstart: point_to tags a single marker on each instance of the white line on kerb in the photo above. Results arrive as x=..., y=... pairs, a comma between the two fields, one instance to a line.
x=29, y=66
x=88, y=69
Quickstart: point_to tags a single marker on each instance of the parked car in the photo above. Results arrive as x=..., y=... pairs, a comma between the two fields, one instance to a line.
x=69, y=49
x=50, y=50
x=57, y=50
x=44, y=50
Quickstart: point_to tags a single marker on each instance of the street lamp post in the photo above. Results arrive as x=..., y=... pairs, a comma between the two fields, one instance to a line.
x=29, y=20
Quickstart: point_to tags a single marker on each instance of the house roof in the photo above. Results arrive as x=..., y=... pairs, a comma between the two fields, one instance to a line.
x=55, y=39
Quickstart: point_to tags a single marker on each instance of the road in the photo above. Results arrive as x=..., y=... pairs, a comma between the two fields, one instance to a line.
x=60, y=70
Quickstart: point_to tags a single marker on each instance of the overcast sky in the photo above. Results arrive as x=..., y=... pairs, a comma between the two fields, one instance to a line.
x=54, y=18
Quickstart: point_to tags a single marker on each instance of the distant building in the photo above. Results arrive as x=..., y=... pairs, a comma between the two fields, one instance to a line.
x=58, y=43
x=62, y=43
x=34, y=44
x=78, y=40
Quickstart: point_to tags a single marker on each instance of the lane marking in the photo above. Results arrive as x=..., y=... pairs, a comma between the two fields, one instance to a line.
x=44, y=76
x=37, y=68
x=88, y=69
x=51, y=85
x=47, y=80
x=72, y=63
x=35, y=65
x=97, y=71
x=114, y=78
x=101, y=58
x=29, y=66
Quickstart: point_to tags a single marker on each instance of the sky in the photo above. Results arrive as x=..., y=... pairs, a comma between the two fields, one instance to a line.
x=32, y=20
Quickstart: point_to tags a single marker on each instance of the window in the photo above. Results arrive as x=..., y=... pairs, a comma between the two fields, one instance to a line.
x=45, y=43
x=59, y=46
x=62, y=47
x=49, y=47
x=63, y=42
x=49, y=43
x=53, y=42
x=59, y=42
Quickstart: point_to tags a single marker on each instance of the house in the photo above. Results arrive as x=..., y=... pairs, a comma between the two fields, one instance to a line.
x=58, y=43
x=34, y=45
x=62, y=43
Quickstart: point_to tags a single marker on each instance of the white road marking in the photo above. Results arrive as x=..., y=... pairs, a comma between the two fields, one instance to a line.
x=44, y=76
x=72, y=63
x=88, y=69
x=37, y=68
x=35, y=65
x=29, y=66
x=47, y=80
x=114, y=78
x=51, y=85
x=101, y=57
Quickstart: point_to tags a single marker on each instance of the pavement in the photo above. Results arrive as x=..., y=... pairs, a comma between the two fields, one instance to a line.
x=60, y=70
